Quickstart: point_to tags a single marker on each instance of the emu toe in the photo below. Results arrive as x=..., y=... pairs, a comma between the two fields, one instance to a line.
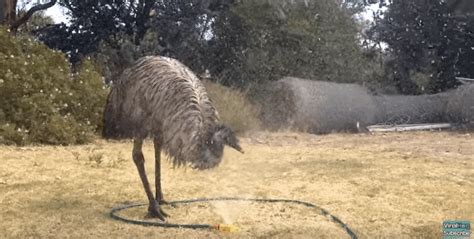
x=156, y=212
x=163, y=202
x=164, y=213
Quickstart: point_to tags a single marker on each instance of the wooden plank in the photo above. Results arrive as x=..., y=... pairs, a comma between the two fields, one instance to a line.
x=465, y=80
x=407, y=127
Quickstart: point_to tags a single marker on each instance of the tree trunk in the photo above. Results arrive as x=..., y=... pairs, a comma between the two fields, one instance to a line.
x=8, y=15
x=2, y=11
x=7, y=11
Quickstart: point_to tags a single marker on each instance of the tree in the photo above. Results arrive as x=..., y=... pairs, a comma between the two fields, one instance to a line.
x=236, y=41
x=95, y=24
x=92, y=22
x=429, y=46
x=9, y=15
x=177, y=29
x=38, y=20
x=182, y=30
x=266, y=40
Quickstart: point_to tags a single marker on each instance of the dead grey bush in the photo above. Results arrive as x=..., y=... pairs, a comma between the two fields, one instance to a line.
x=323, y=107
x=277, y=104
x=411, y=109
x=317, y=106
x=460, y=107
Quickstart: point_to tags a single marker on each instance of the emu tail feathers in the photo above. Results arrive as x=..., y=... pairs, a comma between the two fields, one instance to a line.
x=113, y=121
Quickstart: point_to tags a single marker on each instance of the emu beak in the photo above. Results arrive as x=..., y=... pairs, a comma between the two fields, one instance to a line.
x=238, y=148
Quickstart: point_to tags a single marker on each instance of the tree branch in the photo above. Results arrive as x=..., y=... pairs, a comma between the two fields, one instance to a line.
x=15, y=25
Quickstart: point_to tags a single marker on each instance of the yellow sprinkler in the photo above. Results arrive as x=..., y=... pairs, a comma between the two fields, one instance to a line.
x=226, y=228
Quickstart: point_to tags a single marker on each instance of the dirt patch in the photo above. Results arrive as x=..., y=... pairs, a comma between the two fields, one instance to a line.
x=399, y=185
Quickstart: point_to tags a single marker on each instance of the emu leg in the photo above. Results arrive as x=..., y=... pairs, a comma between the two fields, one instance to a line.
x=154, y=210
x=158, y=191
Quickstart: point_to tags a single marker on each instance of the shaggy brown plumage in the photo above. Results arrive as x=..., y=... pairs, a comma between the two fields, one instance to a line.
x=162, y=98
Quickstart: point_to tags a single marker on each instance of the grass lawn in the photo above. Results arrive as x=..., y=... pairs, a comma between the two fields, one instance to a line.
x=396, y=185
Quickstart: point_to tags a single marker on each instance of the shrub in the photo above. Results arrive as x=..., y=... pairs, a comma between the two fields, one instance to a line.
x=41, y=100
x=460, y=107
x=89, y=95
x=234, y=108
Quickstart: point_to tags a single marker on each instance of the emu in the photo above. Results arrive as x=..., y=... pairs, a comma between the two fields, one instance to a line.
x=160, y=98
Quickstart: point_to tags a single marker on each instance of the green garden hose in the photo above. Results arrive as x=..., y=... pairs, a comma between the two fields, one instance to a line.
x=113, y=213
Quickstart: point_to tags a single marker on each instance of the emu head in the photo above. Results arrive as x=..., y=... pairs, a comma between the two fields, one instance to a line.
x=216, y=139
x=223, y=135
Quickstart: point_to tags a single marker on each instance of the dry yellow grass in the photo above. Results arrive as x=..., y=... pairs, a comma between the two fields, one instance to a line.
x=399, y=185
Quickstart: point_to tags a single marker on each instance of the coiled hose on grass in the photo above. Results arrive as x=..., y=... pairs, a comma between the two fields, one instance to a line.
x=324, y=212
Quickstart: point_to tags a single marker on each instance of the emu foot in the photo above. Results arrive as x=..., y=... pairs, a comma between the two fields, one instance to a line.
x=156, y=212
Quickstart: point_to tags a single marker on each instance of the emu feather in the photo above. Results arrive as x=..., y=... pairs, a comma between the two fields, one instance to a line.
x=159, y=97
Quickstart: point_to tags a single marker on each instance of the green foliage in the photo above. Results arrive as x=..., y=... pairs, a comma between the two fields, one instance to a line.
x=238, y=42
x=421, y=80
x=37, y=21
x=41, y=101
x=89, y=95
x=425, y=37
x=266, y=40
